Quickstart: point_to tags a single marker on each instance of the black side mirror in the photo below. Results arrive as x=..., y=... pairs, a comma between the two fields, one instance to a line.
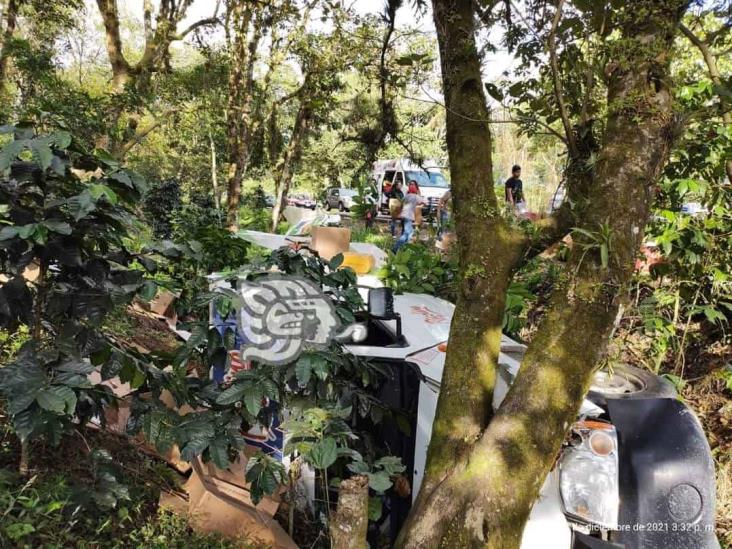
x=381, y=302
x=381, y=307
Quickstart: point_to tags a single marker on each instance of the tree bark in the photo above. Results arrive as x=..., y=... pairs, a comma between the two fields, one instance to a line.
x=120, y=67
x=242, y=15
x=11, y=17
x=350, y=523
x=483, y=495
x=283, y=171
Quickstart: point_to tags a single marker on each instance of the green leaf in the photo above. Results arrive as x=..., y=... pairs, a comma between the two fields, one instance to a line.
x=19, y=530
x=194, y=448
x=122, y=177
x=57, y=226
x=62, y=139
x=10, y=152
x=494, y=92
x=148, y=290
x=303, y=371
x=81, y=205
x=604, y=255
x=76, y=367
x=335, y=262
x=375, y=508
x=253, y=398
x=233, y=394
x=42, y=152
x=219, y=452
x=105, y=158
x=324, y=453
x=98, y=190
x=8, y=233
x=58, y=399
x=379, y=482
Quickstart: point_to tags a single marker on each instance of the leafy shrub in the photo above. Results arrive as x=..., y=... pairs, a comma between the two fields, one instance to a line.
x=417, y=270
x=160, y=205
x=68, y=226
x=254, y=214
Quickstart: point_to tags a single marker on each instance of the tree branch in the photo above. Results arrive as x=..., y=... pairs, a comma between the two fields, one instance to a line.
x=715, y=76
x=552, y=45
x=213, y=20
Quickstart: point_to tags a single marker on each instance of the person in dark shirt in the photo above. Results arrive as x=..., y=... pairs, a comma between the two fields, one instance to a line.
x=515, y=190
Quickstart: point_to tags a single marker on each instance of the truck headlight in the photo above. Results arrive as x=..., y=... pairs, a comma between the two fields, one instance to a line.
x=588, y=474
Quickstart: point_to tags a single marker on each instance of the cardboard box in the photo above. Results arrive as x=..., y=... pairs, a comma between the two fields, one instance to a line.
x=330, y=241
x=217, y=506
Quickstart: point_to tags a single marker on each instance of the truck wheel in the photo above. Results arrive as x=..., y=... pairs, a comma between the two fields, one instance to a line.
x=630, y=383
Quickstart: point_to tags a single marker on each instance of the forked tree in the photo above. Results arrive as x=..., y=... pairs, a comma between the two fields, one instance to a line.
x=485, y=469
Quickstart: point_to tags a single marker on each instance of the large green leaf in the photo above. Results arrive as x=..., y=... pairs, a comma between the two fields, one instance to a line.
x=303, y=371
x=10, y=152
x=57, y=226
x=219, y=452
x=324, y=453
x=231, y=395
x=81, y=205
x=58, y=399
x=42, y=152
x=379, y=482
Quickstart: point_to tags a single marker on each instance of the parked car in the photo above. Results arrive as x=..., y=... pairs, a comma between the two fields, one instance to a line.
x=301, y=201
x=340, y=198
x=634, y=471
x=269, y=200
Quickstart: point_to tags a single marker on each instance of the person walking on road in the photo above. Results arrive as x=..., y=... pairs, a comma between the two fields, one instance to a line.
x=411, y=201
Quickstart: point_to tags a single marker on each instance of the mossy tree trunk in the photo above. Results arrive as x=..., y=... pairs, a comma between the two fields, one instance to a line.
x=349, y=525
x=484, y=473
x=10, y=18
x=283, y=170
x=242, y=15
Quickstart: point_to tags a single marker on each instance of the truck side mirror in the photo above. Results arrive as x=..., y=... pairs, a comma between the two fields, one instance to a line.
x=381, y=307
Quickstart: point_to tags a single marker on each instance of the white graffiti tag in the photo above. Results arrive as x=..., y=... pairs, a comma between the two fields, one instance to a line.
x=278, y=316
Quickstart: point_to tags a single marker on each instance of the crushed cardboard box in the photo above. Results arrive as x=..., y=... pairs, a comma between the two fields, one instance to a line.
x=215, y=504
x=218, y=500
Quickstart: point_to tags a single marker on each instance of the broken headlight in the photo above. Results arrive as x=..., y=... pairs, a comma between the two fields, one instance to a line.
x=588, y=474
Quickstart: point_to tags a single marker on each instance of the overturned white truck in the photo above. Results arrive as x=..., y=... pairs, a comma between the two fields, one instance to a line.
x=635, y=471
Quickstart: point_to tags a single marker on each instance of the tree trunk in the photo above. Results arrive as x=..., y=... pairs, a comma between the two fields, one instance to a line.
x=214, y=174
x=120, y=67
x=241, y=79
x=11, y=18
x=350, y=523
x=283, y=171
x=483, y=495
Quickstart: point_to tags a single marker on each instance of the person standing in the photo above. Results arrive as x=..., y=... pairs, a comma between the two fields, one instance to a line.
x=409, y=206
x=396, y=196
x=515, y=191
x=443, y=212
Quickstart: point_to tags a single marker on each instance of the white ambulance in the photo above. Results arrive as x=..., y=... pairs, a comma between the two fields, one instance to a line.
x=429, y=176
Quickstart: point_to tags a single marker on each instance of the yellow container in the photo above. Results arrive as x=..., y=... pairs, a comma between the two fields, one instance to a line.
x=361, y=263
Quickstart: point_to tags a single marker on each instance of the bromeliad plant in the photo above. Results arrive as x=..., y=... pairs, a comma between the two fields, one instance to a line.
x=64, y=267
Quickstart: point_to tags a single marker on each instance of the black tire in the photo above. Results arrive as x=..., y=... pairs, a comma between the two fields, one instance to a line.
x=629, y=383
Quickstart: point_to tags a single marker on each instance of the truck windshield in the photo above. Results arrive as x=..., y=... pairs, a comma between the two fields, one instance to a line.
x=425, y=179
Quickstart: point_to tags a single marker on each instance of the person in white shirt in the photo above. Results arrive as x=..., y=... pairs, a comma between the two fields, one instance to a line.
x=411, y=201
